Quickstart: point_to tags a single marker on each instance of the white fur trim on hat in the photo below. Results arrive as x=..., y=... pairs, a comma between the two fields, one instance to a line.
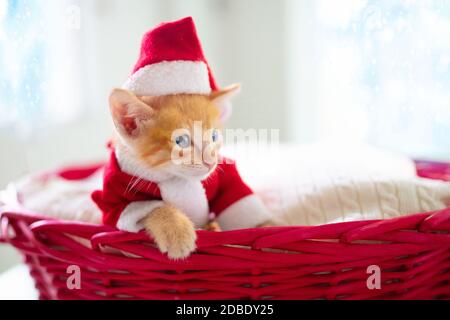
x=170, y=77
x=249, y=212
x=135, y=212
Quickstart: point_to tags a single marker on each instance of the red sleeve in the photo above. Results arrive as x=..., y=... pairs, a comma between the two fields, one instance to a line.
x=110, y=200
x=116, y=194
x=231, y=187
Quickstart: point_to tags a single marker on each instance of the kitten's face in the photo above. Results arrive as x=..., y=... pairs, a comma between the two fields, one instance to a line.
x=178, y=134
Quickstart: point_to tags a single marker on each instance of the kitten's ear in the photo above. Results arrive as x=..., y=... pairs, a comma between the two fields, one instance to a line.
x=225, y=94
x=128, y=112
x=222, y=99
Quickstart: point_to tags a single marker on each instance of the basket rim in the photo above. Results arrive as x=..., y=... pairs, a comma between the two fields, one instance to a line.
x=350, y=231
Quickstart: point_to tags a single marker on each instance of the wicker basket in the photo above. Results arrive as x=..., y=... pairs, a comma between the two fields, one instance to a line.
x=323, y=262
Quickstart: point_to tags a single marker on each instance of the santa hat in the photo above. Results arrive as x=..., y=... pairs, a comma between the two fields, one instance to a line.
x=171, y=62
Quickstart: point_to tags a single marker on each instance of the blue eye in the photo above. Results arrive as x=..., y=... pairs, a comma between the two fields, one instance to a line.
x=183, y=141
x=215, y=136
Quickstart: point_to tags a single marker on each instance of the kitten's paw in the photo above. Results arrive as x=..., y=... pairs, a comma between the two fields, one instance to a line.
x=172, y=231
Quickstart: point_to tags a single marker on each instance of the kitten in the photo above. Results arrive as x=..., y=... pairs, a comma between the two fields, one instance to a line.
x=164, y=179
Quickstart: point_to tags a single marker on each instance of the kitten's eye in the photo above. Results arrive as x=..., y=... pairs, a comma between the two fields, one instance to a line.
x=215, y=135
x=183, y=141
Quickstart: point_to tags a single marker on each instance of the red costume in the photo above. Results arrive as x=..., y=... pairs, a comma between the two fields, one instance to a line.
x=222, y=189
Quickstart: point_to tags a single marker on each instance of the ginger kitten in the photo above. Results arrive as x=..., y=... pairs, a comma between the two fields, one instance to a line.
x=155, y=148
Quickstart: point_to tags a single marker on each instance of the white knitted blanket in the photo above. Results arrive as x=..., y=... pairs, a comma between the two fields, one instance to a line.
x=326, y=183
x=349, y=199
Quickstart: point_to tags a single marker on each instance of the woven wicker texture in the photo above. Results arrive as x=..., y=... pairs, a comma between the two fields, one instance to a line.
x=323, y=262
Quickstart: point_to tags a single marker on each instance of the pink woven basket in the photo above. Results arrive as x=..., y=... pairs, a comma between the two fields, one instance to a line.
x=323, y=262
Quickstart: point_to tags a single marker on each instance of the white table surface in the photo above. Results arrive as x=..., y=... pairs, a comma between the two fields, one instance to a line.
x=17, y=284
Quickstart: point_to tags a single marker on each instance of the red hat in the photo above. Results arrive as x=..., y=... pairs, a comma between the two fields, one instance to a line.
x=172, y=62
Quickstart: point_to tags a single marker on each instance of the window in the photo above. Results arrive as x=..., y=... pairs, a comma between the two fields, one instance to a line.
x=39, y=78
x=382, y=73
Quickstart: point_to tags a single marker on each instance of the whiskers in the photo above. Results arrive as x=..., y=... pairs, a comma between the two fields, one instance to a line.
x=133, y=184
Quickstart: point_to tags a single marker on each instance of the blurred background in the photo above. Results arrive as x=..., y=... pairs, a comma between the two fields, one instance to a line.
x=347, y=70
